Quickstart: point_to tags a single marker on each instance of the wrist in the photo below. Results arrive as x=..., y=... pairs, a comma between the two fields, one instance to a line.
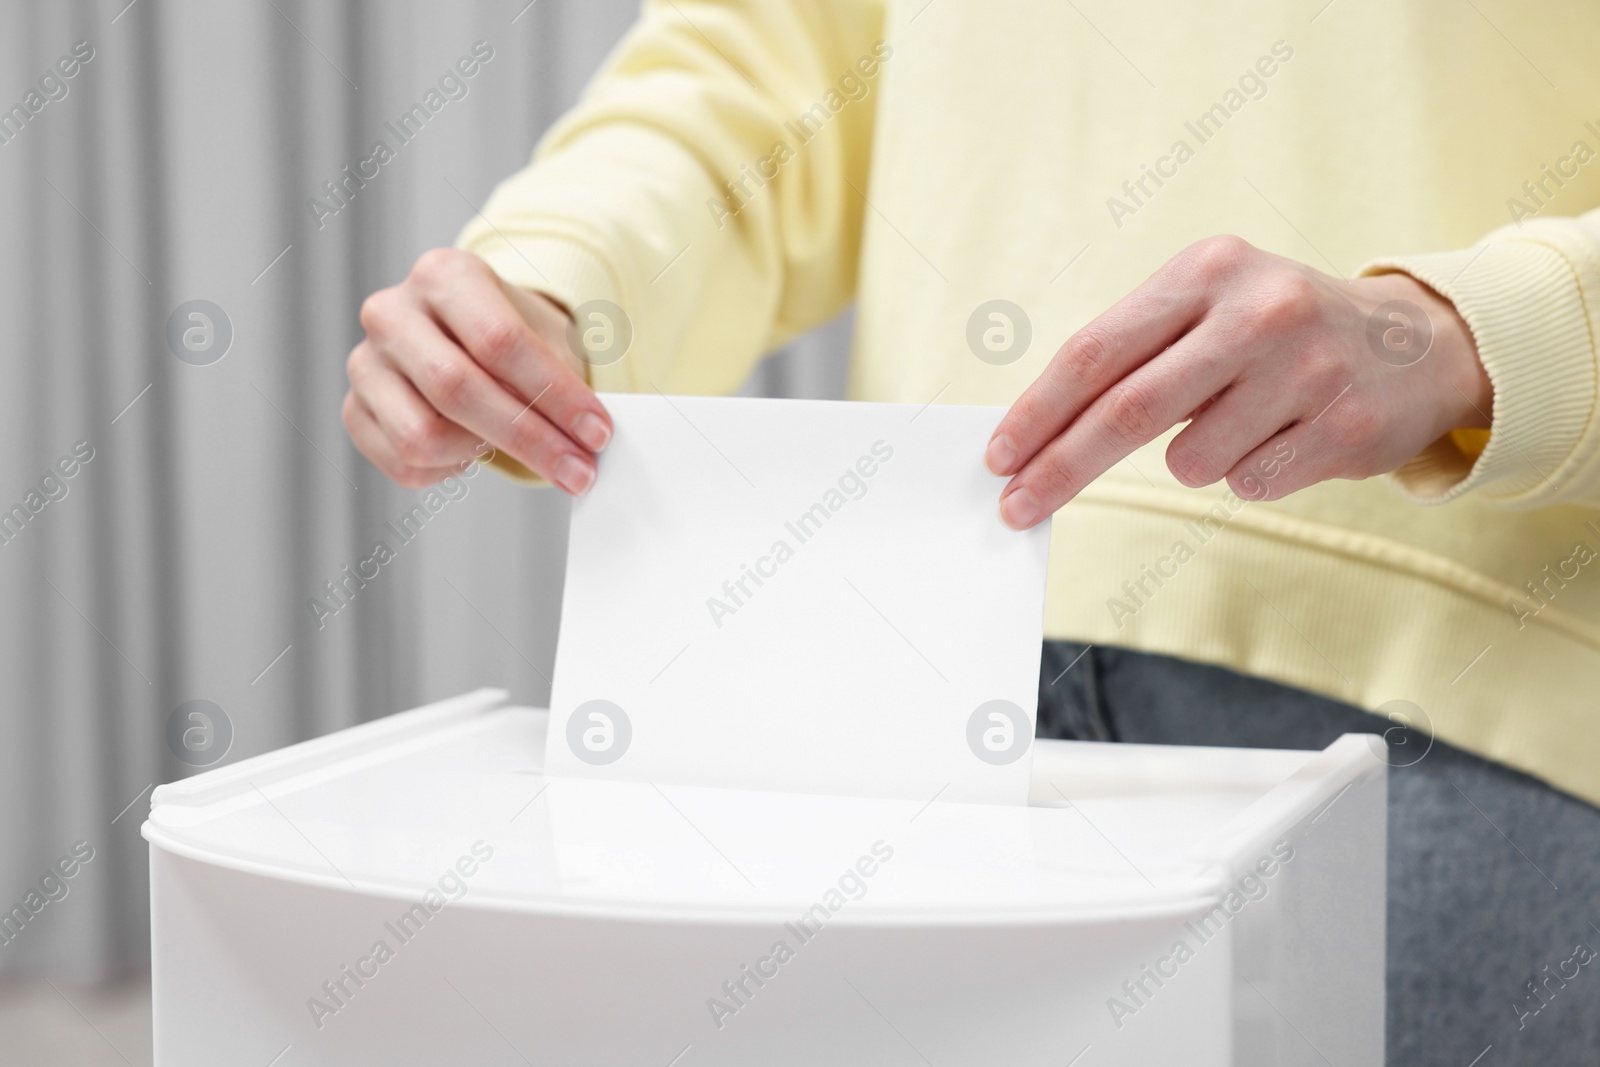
x=1464, y=392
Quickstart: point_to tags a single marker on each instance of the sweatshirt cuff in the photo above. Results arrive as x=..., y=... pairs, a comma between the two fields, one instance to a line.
x=1521, y=300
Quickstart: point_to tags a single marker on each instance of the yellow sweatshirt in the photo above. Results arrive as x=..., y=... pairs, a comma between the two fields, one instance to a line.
x=741, y=171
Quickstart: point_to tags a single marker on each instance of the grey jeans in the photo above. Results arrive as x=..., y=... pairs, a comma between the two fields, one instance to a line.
x=1494, y=877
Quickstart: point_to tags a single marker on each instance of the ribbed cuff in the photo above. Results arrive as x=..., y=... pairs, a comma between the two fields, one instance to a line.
x=1522, y=302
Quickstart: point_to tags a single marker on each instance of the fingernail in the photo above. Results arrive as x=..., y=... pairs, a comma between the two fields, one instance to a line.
x=1000, y=455
x=592, y=431
x=574, y=475
x=1019, y=509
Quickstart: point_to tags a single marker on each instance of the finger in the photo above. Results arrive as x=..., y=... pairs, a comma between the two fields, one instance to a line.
x=1248, y=412
x=1132, y=331
x=476, y=310
x=463, y=392
x=375, y=444
x=1132, y=413
x=1283, y=464
x=419, y=435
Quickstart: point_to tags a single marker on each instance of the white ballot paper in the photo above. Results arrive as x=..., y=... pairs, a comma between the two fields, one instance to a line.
x=803, y=596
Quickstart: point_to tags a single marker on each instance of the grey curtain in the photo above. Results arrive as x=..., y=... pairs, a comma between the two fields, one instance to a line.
x=210, y=498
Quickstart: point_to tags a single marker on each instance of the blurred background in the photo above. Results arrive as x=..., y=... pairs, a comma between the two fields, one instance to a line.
x=213, y=490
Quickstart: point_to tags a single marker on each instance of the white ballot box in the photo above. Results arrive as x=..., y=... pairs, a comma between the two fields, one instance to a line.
x=415, y=891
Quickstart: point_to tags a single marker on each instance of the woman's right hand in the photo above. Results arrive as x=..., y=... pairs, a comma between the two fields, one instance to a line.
x=455, y=359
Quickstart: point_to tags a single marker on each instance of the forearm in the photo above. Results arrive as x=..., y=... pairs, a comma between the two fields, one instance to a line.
x=681, y=189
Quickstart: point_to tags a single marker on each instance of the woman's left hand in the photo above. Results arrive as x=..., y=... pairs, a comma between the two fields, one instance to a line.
x=1265, y=358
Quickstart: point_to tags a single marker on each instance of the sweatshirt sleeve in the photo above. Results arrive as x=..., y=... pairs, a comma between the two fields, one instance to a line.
x=709, y=184
x=1530, y=293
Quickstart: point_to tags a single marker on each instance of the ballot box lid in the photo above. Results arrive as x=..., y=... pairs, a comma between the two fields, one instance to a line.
x=452, y=799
